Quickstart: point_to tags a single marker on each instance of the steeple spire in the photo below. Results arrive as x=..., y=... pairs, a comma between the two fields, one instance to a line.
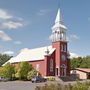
x=59, y=29
x=58, y=17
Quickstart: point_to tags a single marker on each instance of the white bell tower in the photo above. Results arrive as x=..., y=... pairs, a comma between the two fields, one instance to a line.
x=59, y=29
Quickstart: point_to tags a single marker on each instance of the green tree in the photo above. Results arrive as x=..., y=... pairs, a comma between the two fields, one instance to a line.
x=1, y=72
x=8, y=71
x=80, y=62
x=4, y=58
x=24, y=68
x=76, y=62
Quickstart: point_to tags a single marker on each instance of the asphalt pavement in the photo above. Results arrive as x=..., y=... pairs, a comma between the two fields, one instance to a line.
x=27, y=85
x=19, y=85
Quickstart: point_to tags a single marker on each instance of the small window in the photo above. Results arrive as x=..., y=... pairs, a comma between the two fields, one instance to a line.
x=37, y=67
x=61, y=47
x=65, y=48
x=63, y=58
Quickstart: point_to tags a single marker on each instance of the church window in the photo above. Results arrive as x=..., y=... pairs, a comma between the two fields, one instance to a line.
x=37, y=67
x=51, y=65
x=61, y=47
x=63, y=57
x=65, y=48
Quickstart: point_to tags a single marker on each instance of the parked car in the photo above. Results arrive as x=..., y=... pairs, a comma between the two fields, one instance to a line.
x=38, y=79
x=4, y=79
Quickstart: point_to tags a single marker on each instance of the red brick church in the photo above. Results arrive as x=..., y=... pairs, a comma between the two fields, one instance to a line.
x=50, y=60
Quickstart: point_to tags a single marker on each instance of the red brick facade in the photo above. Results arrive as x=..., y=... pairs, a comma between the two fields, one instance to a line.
x=60, y=67
x=44, y=65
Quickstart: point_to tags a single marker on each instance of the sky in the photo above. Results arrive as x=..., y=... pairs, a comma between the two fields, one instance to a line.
x=28, y=23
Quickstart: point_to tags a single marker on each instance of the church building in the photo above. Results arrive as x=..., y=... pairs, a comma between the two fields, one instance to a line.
x=51, y=60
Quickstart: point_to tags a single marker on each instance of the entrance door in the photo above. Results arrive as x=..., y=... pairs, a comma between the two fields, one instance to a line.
x=56, y=71
x=63, y=71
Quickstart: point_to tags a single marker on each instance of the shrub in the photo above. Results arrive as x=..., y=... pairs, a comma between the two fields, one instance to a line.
x=51, y=78
x=77, y=86
x=80, y=86
x=31, y=74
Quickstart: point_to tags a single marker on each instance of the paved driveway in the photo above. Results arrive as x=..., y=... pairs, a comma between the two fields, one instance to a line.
x=26, y=85
x=19, y=85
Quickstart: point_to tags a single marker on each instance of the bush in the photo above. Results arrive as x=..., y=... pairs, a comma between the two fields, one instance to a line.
x=51, y=78
x=31, y=74
x=77, y=86
x=81, y=86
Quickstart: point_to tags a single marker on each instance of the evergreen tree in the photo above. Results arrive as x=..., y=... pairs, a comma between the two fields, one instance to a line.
x=4, y=58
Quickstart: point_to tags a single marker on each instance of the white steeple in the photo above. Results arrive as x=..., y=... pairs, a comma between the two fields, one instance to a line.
x=58, y=17
x=59, y=29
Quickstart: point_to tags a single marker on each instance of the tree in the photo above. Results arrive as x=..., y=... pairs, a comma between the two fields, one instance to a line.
x=24, y=68
x=4, y=58
x=1, y=72
x=80, y=62
x=8, y=71
x=86, y=62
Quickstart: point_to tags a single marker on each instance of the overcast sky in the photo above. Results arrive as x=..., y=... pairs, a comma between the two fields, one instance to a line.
x=27, y=24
